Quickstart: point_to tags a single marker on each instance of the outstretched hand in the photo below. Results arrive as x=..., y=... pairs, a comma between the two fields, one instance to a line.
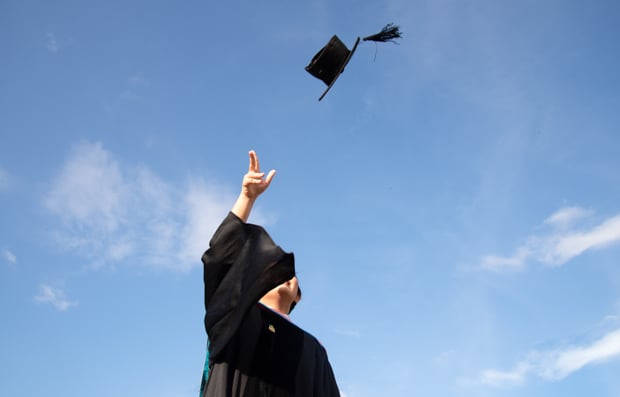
x=254, y=182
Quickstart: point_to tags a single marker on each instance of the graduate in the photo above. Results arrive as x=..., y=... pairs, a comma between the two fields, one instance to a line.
x=254, y=349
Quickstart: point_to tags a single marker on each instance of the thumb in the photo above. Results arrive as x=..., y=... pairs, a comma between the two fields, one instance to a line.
x=270, y=176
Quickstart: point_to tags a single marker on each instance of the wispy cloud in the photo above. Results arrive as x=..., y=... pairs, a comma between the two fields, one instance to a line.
x=562, y=244
x=567, y=215
x=90, y=191
x=51, y=42
x=556, y=364
x=9, y=257
x=515, y=262
x=55, y=297
x=497, y=378
x=114, y=213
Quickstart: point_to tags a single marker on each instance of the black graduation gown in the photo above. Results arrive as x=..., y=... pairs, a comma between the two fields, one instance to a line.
x=254, y=351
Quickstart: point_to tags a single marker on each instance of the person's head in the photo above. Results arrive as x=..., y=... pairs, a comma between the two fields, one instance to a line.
x=284, y=297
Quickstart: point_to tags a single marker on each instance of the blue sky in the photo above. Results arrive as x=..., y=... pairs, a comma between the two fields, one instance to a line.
x=453, y=203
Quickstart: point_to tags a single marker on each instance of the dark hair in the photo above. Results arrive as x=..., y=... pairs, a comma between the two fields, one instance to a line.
x=295, y=303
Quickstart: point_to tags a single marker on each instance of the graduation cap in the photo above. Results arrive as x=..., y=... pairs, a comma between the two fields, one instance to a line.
x=330, y=61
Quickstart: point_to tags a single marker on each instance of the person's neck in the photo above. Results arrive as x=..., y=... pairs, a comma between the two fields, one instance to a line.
x=277, y=305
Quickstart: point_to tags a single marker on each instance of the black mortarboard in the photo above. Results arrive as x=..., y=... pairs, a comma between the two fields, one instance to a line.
x=330, y=61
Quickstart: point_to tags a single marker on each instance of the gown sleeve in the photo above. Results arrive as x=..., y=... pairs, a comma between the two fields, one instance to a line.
x=241, y=265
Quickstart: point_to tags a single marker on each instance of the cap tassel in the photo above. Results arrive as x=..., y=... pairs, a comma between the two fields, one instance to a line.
x=389, y=33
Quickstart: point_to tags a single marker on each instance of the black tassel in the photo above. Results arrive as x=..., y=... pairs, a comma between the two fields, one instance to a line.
x=389, y=33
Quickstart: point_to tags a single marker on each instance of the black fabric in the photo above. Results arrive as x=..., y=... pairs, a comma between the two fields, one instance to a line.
x=254, y=351
x=241, y=265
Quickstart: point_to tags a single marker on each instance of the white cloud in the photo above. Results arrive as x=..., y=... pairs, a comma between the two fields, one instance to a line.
x=563, y=363
x=497, y=378
x=203, y=207
x=51, y=43
x=9, y=256
x=556, y=364
x=560, y=245
x=567, y=215
x=559, y=249
x=90, y=191
x=496, y=263
x=54, y=297
x=113, y=213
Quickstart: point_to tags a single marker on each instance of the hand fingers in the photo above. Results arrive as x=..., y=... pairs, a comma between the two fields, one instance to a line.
x=270, y=176
x=253, y=162
x=255, y=175
x=254, y=178
x=257, y=169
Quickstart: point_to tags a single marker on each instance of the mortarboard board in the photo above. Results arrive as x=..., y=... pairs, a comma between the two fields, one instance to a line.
x=330, y=61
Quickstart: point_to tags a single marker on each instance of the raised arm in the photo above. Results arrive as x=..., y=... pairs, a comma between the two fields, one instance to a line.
x=253, y=185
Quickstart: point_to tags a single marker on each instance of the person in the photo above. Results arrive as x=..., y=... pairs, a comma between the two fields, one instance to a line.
x=250, y=287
